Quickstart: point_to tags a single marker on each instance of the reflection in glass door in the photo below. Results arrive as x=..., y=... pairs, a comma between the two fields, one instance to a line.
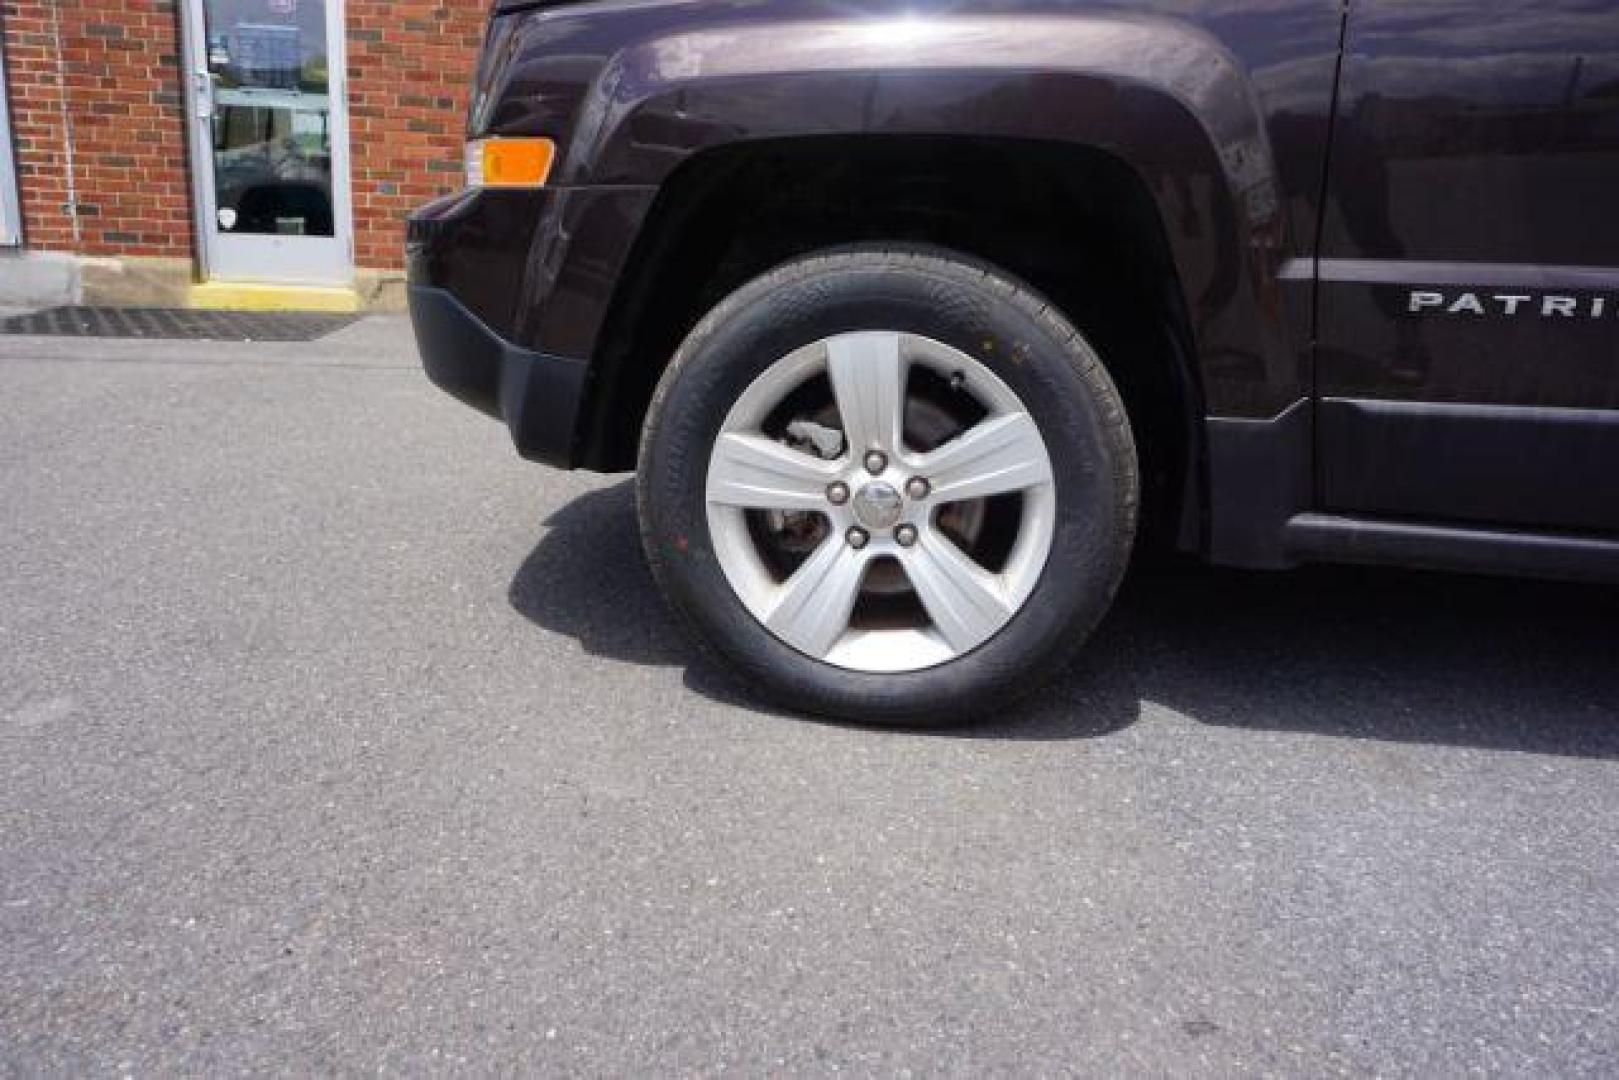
x=269, y=139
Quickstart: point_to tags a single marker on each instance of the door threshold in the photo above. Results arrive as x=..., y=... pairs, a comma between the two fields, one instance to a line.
x=259, y=296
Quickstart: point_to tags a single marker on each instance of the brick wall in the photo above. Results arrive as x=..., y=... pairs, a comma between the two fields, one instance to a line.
x=110, y=177
x=410, y=72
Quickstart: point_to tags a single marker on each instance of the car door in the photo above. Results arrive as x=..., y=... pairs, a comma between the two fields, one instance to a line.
x=1468, y=320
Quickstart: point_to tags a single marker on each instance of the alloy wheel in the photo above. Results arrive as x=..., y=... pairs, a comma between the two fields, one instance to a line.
x=856, y=534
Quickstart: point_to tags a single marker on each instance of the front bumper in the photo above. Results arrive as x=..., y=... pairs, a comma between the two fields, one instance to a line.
x=538, y=396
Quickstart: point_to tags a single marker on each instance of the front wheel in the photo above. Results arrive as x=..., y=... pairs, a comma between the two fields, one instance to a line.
x=888, y=485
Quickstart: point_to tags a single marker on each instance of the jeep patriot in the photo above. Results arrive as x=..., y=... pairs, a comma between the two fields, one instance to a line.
x=916, y=320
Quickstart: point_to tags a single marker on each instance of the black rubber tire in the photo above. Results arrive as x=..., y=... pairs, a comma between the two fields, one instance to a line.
x=952, y=299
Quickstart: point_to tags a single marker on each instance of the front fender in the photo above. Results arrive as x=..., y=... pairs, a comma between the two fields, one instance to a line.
x=1162, y=95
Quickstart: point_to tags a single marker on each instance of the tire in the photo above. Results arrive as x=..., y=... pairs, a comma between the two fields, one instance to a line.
x=934, y=641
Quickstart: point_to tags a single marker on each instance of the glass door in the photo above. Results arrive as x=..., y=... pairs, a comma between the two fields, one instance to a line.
x=270, y=139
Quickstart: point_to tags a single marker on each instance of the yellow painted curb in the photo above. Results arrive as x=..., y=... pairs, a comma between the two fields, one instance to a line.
x=228, y=296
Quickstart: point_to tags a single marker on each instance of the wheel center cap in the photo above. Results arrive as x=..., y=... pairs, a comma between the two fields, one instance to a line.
x=878, y=505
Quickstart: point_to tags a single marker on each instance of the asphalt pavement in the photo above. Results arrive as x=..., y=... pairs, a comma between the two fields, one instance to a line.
x=335, y=739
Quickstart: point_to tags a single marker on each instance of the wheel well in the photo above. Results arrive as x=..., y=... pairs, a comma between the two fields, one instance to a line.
x=1075, y=223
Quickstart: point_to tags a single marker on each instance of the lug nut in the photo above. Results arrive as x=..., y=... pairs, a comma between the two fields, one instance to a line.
x=837, y=494
x=918, y=488
x=906, y=535
x=876, y=462
x=858, y=538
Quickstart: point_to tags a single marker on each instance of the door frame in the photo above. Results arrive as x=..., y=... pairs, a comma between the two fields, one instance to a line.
x=195, y=79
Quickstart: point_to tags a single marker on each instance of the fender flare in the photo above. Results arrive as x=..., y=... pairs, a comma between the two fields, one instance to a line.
x=1164, y=97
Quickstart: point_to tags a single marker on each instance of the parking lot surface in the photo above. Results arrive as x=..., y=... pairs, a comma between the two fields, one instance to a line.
x=334, y=738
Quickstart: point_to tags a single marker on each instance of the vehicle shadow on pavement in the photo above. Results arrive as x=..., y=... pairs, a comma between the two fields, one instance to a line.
x=1346, y=651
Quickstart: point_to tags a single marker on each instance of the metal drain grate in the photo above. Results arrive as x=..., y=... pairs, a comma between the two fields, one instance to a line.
x=176, y=323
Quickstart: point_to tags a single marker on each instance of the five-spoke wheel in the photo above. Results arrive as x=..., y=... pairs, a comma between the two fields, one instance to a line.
x=880, y=498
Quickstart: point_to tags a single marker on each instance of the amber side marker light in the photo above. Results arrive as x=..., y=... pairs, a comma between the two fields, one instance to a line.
x=510, y=163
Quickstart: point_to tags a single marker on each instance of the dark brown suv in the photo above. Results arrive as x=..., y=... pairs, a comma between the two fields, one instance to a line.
x=917, y=319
